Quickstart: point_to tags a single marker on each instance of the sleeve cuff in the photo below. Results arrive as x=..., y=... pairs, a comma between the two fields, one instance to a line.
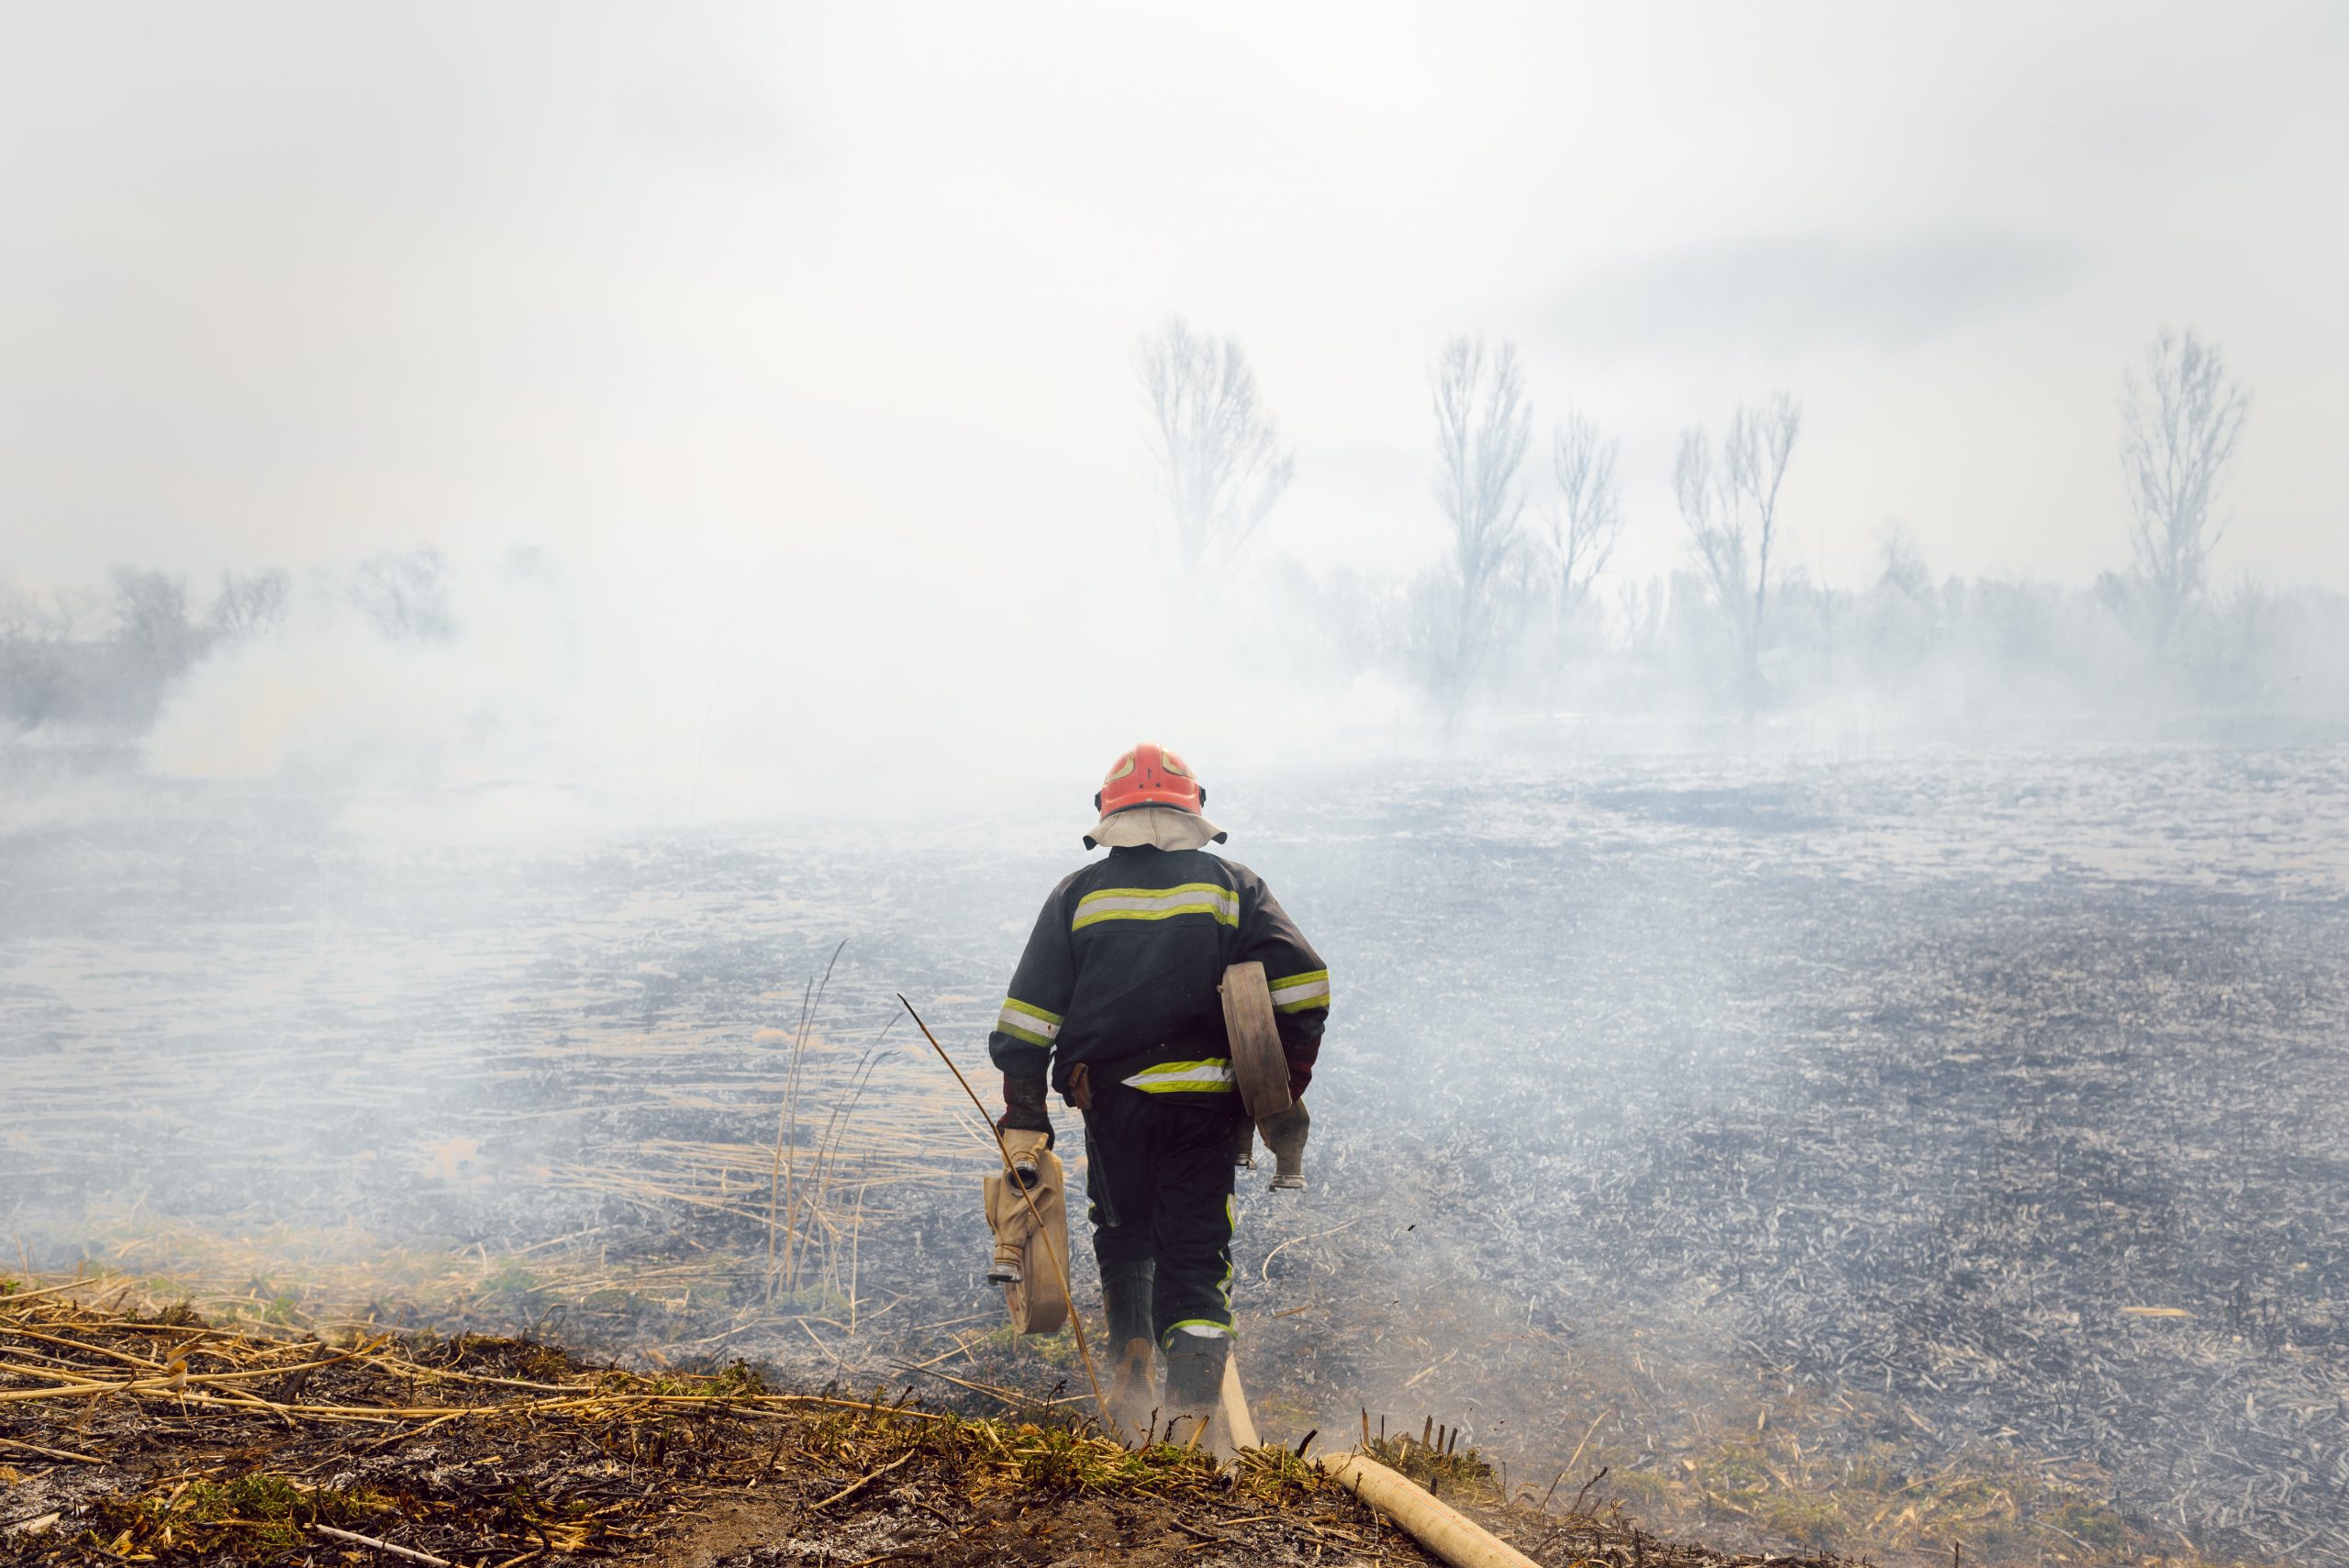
x=1017, y=1058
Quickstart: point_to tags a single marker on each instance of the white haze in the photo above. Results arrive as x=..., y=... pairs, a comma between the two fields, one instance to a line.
x=800, y=340
x=752, y=704
x=762, y=379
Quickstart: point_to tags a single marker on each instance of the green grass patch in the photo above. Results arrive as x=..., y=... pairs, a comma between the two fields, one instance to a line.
x=260, y=1514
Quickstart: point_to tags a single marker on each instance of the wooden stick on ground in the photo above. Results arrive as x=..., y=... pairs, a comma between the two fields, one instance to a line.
x=358, y=1540
x=855, y=1486
x=52, y=1452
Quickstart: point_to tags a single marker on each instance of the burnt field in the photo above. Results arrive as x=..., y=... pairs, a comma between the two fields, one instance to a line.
x=1861, y=1156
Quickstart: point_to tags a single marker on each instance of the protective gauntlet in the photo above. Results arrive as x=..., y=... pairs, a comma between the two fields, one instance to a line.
x=1024, y=1109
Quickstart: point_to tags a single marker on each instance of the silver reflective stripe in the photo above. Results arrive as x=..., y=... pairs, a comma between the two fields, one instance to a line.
x=1157, y=904
x=1032, y=1019
x=1031, y=1024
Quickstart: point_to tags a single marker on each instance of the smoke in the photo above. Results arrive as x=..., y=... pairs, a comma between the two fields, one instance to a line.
x=401, y=670
x=713, y=513
x=510, y=692
x=519, y=691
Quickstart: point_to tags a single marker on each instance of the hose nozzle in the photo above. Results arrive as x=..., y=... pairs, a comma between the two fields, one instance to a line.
x=1285, y=1135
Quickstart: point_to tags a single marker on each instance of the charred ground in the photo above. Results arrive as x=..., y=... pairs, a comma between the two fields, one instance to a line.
x=1871, y=1155
x=152, y=1437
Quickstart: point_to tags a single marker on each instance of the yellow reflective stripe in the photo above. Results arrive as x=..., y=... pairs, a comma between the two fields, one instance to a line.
x=1224, y=917
x=1025, y=1020
x=1231, y=1227
x=1211, y=1076
x=1208, y=898
x=1215, y=888
x=1300, y=992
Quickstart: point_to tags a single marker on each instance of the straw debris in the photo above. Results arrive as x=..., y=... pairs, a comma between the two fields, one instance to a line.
x=138, y=1432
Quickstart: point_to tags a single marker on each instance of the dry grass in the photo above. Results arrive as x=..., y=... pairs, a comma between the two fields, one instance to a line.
x=132, y=1430
x=237, y=1443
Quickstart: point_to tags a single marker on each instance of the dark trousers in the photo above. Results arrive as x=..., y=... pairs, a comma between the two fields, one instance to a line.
x=1158, y=1173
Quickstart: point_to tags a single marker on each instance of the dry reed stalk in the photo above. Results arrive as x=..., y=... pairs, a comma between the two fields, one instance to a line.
x=1010, y=1396
x=782, y=1123
x=855, y=1236
x=827, y=1148
x=787, y=1132
x=258, y=1358
x=637, y=1188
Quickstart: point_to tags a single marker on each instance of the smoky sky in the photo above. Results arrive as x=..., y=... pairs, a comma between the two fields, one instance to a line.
x=1777, y=297
x=742, y=306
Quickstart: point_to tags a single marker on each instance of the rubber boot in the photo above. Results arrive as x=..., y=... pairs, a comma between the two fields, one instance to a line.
x=1125, y=1301
x=1194, y=1411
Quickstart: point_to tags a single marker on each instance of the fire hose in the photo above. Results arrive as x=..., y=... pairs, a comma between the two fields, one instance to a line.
x=1262, y=1068
x=1026, y=1211
x=1439, y=1527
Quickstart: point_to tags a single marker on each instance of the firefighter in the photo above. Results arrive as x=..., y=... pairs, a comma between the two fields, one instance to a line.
x=1115, y=1000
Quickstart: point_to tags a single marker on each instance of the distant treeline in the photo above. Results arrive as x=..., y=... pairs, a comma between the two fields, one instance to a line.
x=1965, y=652
x=1520, y=614
x=102, y=659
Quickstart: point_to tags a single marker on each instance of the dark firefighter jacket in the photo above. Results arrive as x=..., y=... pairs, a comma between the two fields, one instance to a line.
x=1121, y=973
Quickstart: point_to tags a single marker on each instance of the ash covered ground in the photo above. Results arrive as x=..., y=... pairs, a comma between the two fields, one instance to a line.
x=1760, y=1131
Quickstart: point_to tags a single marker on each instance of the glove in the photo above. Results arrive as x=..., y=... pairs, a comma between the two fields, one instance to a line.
x=1023, y=1107
x=1285, y=1136
x=1025, y=1126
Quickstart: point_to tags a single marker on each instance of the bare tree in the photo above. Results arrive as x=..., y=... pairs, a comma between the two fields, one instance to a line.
x=1482, y=425
x=1221, y=465
x=150, y=619
x=250, y=604
x=2179, y=430
x=19, y=612
x=1588, y=518
x=405, y=595
x=35, y=675
x=1904, y=572
x=68, y=612
x=1731, y=506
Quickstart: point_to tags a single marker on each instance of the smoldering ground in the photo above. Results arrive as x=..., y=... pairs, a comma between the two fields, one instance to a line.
x=1960, y=1138
x=696, y=496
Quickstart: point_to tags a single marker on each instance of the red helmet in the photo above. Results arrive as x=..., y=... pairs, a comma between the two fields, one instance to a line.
x=1149, y=774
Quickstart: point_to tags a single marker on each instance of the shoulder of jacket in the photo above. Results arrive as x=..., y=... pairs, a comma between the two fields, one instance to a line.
x=1242, y=877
